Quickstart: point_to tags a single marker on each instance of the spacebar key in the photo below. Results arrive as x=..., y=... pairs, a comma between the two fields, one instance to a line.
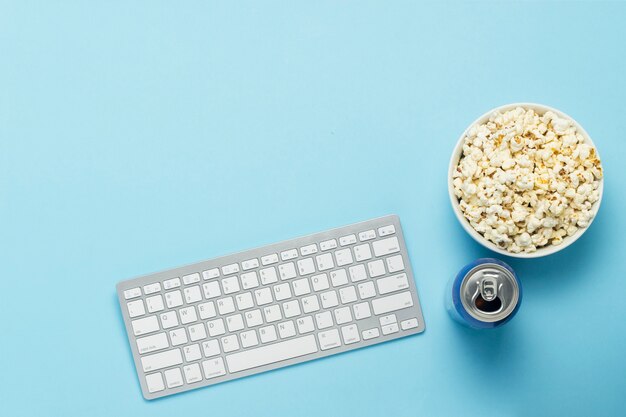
x=272, y=353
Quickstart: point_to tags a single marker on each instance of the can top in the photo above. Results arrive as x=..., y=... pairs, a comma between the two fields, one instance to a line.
x=489, y=292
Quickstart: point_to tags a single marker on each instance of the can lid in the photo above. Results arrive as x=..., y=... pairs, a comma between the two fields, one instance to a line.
x=489, y=292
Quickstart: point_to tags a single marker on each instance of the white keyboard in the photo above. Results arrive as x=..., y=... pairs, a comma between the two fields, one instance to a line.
x=270, y=307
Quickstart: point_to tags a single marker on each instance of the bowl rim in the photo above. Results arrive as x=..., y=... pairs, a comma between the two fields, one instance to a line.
x=456, y=156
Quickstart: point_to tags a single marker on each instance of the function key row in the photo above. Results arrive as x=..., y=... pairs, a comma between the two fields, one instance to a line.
x=210, y=274
x=191, y=278
x=250, y=264
x=380, y=248
x=269, y=259
x=347, y=240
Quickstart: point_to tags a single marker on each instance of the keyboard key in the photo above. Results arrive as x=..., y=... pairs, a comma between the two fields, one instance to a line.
x=213, y=368
x=207, y=310
x=339, y=277
x=230, y=343
x=192, y=373
x=173, y=299
x=305, y=324
x=390, y=328
x=155, y=303
x=250, y=264
x=289, y=254
x=211, y=348
x=347, y=295
x=310, y=304
x=192, y=294
x=192, y=353
x=357, y=273
x=152, y=288
x=210, y=274
x=376, y=268
x=329, y=339
x=343, y=315
x=344, y=257
x=145, y=325
x=386, y=230
x=324, y=262
x=282, y=291
x=306, y=266
x=188, y=315
x=249, y=339
x=272, y=314
x=230, y=269
x=301, y=287
x=388, y=319
x=136, y=308
x=286, y=329
x=225, y=305
x=392, y=303
x=178, y=337
x=171, y=283
x=291, y=309
x=268, y=275
x=244, y=301
x=254, y=318
x=395, y=263
x=155, y=382
x=366, y=290
x=308, y=250
x=328, y=244
x=216, y=327
x=361, y=311
x=324, y=320
x=263, y=296
x=249, y=280
x=173, y=377
x=276, y=352
x=152, y=343
x=391, y=284
x=132, y=293
x=234, y=322
x=408, y=324
x=191, y=278
x=362, y=252
x=370, y=333
x=347, y=240
x=230, y=285
x=350, y=334
x=197, y=332
x=320, y=282
x=386, y=246
x=269, y=259
x=329, y=299
x=287, y=271
x=169, y=320
x=211, y=290
x=161, y=360
x=268, y=334
x=367, y=235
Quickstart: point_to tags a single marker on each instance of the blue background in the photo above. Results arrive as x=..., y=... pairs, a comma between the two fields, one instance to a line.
x=140, y=136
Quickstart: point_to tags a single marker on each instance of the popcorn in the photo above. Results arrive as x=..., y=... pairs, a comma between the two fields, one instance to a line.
x=525, y=181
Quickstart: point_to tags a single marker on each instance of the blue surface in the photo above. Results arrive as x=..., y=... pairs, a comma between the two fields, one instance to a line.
x=139, y=136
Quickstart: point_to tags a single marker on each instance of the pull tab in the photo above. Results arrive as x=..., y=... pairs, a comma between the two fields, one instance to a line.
x=489, y=287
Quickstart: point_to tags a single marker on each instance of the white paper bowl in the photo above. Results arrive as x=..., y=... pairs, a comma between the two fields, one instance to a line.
x=454, y=160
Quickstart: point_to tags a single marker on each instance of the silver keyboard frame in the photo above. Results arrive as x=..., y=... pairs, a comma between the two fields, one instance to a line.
x=297, y=243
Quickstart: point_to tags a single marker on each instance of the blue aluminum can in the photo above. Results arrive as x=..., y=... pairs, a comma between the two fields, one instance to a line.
x=484, y=294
